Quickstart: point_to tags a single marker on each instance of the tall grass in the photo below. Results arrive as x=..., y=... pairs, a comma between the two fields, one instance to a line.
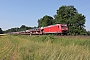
x=49, y=47
x=52, y=48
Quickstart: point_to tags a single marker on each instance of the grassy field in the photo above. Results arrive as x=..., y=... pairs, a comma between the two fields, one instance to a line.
x=17, y=47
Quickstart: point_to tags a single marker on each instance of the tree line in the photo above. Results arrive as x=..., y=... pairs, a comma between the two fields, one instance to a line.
x=64, y=15
x=17, y=29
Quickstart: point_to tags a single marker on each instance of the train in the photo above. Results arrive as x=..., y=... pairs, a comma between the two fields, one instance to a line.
x=51, y=29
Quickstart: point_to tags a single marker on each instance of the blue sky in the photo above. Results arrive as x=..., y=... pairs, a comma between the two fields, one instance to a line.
x=14, y=13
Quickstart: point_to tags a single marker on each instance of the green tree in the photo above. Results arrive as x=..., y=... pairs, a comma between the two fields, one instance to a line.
x=70, y=16
x=45, y=21
x=88, y=33
x=23, y=28
x=1, y=32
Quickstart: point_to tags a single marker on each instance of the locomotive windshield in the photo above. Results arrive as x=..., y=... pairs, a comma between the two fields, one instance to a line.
x=64, y=26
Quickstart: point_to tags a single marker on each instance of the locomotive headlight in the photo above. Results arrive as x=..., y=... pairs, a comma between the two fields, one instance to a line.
x=66, y=28
x=63, y=29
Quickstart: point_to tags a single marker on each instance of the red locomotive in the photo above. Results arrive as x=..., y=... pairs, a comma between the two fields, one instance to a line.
x=58, y=28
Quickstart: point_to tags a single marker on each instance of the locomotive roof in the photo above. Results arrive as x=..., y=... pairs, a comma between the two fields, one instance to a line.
x=55, y=25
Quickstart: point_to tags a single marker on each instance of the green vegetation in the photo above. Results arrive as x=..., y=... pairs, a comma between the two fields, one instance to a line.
x=42, y=47
x=1, y=32
x=45, y=21
x=17, y=29
x=88, y=33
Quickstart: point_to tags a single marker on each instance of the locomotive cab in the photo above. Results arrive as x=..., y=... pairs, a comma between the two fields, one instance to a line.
x=64, y=28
